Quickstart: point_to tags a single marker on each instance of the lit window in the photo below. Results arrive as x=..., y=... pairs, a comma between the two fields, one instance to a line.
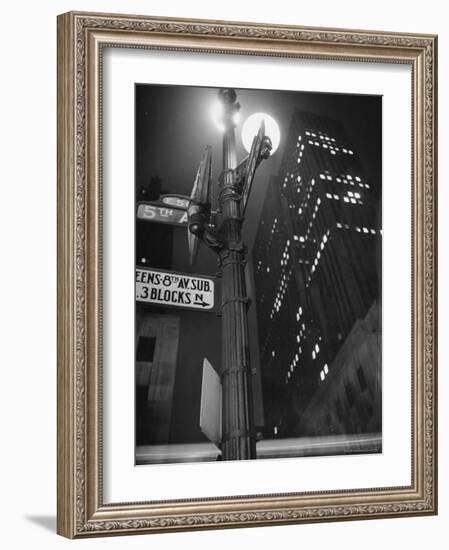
x=321, y=376
x=301, y=239
x=357, y=195
x=268, y=270
x=322, y=176
x=329, y=177
x=365, y=230
x=353, y=201
x=350, y=194
x=300, y=310
x=349, y=176
x=325, y=236
x=345, y=150
x=350, y=152
x=324, y=145
x=296, y=357
x=357, y=178
x=317, y=348
x=328, y=195
x=273, y=353
x=358, y=229
x=346, y=199
x=373, y=231
x=313, y=354
x=333, y=152
x=298, y=339
x=318, y=201
x=318, y=254
x=298, y=179
x=336, y=197
x=326, y=369
x=339, y=225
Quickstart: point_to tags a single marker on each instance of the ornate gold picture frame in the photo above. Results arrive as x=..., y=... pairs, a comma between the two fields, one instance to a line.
x=83, y=511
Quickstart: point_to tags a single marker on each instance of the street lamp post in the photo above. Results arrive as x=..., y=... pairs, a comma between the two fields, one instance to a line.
x=238, y=432
x=238, y=436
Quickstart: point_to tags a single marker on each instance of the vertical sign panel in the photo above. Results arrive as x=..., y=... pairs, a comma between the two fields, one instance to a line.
x=210, y=411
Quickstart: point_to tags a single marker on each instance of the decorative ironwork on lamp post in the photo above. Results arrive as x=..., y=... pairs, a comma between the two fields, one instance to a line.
x=222, y=232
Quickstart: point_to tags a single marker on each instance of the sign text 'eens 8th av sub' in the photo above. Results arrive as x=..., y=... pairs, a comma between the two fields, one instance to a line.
x=170, y=288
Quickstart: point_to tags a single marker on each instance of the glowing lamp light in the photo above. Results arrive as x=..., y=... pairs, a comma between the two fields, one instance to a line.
x=251, y=127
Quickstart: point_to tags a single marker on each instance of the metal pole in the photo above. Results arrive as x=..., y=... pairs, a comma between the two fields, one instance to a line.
x=238, y=435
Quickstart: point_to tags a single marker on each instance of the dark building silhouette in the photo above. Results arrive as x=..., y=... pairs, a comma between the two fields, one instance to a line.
x=350, y=404
x=317, y=267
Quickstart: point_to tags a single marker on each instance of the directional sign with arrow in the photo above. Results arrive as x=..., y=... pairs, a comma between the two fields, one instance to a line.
x=174, y=289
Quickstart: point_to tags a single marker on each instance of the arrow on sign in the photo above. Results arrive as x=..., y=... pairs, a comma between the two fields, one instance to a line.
x=199, y=301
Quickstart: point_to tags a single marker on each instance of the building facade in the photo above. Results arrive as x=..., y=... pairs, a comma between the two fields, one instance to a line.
x=317, y=267
x=157, y=339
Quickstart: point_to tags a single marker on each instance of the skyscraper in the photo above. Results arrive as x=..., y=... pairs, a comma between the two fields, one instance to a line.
x=317, y=267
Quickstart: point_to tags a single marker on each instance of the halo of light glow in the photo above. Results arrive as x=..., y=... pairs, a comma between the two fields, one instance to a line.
x=217, y=114
x=251, y=127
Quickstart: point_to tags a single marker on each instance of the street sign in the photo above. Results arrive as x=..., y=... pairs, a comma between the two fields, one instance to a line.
x=252, y=162
x=201, y=197
x=210, y=408
x=155, y=212
x=176, y=201
x=174, y=289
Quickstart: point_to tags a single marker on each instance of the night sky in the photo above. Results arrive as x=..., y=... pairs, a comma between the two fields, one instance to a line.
x=173, y=125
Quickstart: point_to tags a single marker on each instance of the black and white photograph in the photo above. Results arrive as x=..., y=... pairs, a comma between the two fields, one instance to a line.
x=258, y=235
